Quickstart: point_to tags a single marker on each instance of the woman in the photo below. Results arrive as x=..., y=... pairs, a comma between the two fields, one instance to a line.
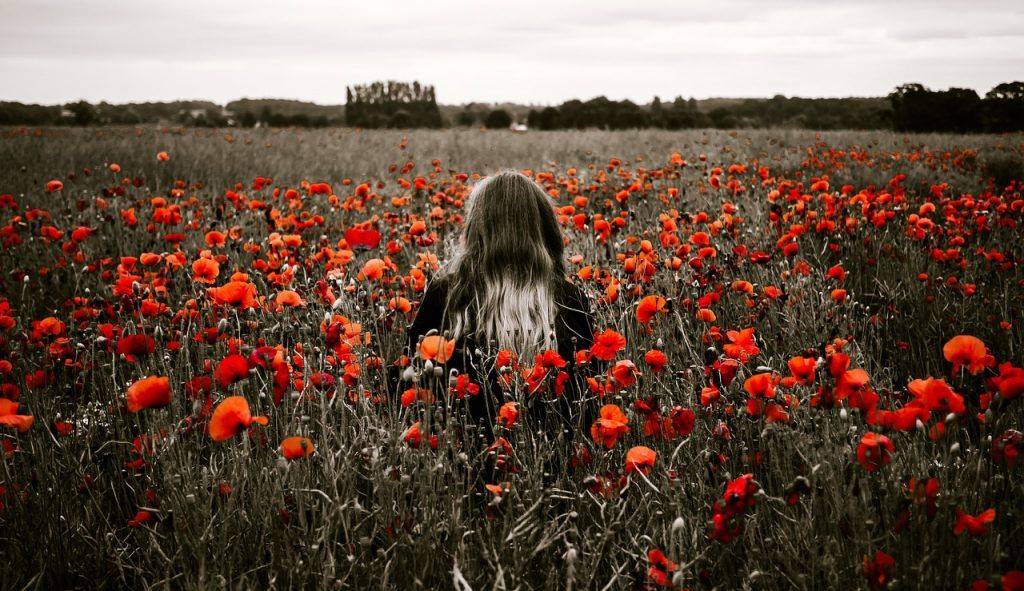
x=505, y=289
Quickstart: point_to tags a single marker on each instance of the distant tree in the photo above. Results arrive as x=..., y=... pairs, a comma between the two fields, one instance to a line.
x=498, y=119
x=658, y=117
x=83, y=113
x=546, y=119
x=466, y=118
x=375, y=104
x=723, y=118
x=400, y=119
x=12, y=113
x=1003, y=108
x=916, y=108
x=247, y=119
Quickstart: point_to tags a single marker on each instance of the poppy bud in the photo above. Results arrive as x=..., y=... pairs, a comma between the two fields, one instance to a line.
x=678, y=525
x=570, y=556
x=955, y=448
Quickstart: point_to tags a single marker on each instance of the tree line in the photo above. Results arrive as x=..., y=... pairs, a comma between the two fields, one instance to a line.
x=910, y=107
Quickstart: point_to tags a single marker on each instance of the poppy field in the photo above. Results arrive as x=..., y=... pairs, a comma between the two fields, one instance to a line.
x=807, y=363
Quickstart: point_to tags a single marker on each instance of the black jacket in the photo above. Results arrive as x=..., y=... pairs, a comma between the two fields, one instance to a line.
x=574, y=331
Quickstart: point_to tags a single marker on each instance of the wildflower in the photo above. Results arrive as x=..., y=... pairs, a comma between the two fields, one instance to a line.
x=873, y=451
x=231, y=417
x=151, y=392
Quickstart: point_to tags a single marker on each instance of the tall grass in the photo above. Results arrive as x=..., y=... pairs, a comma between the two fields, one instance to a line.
x=367, y=510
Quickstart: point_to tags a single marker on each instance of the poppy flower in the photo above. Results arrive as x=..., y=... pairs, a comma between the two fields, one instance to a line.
x=661, y=568
x=761, y=385
x=205, y=271
x=741, y=345
x=151, y=392
x=937, y=396
x=436, y=348
x=1010, y=381
x=878, y=570
x=233, y=368
x=9, y=416
x=873, y=451
x=640, y=459
x=965, y=350
x=507, y=414
x=975, y=525
x=362, y=237
x=624, y=374
x=607, y=344
x=611, y=424
x=134, y=346
x=231, y=417
x=141, y=518
x=241, y=294
x=803, y=369
x=289, y=299
x=373, y=269
x=294, y=448
x=649, y=307
x=656, y=360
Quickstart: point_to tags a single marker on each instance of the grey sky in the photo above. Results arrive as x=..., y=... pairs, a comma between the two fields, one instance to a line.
x=526, y=51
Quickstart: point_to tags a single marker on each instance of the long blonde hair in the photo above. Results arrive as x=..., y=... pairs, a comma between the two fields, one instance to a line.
x=507, y=267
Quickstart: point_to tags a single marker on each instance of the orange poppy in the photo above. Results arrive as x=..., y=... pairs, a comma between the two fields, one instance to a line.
x=610, y=426
x=437, y=348
x=9, y=416
x=649, y=307
x=294, y=448
x=151, y=392
x=965, y=350
x=231, y=417
x=640, y=459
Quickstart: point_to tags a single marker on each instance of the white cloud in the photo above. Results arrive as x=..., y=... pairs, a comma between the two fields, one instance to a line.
x=528, y=51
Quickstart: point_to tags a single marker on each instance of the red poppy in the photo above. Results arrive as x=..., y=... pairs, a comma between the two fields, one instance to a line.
x=294, y=448
x=661, y=568
x=241, y=294
x=134, y=346
x=233, y=368
x=640, y=459
x=975, y=525
x=611, y=424
x=656, y=360
x=436, y=348
x=607, y=344
x=9, y=416
x=151, y=392
x=231, y=417
x=649, y=307
x=507, y=414
x=873, y=451
x=741, y=344
x=965, y=350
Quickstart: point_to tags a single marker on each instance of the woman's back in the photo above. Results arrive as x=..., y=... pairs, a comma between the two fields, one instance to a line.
x=504, y=290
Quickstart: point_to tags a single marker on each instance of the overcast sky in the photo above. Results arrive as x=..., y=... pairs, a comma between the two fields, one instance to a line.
x=526, y=51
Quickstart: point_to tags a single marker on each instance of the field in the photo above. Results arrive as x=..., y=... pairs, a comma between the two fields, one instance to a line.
x=818, y=386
